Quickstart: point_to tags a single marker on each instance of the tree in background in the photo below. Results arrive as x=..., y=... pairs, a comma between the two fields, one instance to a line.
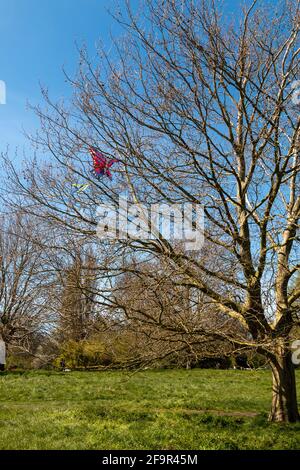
x=22, y=290
x=76, y=313
x=177, y=323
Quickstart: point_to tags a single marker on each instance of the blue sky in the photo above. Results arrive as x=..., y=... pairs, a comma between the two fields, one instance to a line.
x=37, y=38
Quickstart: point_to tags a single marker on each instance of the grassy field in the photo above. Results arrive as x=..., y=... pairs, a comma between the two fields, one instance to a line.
x=198, y=409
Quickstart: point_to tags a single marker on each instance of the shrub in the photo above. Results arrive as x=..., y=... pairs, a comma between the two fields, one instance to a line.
x=82, y=354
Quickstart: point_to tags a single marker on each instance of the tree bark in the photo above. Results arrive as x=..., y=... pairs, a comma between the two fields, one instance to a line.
x=284, y=395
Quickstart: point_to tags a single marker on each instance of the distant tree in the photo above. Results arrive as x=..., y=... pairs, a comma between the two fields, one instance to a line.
x=199, y=109
x=22, y=292
x=76, y=311
x=175, y=322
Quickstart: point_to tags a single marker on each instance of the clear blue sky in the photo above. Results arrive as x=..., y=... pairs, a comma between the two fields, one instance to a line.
x=37, y=38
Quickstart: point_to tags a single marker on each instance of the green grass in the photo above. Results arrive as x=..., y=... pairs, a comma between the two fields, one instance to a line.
x=198, y=409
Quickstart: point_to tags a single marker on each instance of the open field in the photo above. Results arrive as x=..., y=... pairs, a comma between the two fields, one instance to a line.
x=177, y=409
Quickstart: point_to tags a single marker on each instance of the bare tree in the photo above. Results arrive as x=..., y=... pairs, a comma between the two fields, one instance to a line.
x=178, y=322
x=198, y=109
x=77, y=289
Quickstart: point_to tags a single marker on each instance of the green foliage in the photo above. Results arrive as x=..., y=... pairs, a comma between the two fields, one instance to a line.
x=19, y=361
x=83, y=354
x=169, y=409
x=115, y=350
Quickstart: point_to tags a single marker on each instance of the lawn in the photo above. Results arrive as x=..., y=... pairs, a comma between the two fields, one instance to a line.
x=177, y=409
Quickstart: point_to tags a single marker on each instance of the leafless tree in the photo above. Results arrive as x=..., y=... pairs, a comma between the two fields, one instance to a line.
x=199, y=109
x=77, y=289
x=23, y=296
x=178, y=322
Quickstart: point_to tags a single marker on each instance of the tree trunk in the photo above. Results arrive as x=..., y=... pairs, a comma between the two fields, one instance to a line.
x=284, y=395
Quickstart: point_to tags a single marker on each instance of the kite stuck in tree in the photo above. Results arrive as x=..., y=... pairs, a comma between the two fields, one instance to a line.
x=101, y=163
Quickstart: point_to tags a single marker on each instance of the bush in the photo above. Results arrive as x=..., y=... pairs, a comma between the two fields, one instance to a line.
x=18, y=361
x=82, y=354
